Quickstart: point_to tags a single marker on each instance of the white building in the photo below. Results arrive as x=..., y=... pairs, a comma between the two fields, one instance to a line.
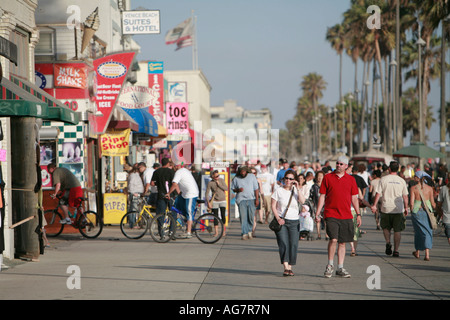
x=248, y=133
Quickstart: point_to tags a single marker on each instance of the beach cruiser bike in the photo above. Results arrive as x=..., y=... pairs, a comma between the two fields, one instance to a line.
x=135, y=224
x=88, y=223
x=208, y=228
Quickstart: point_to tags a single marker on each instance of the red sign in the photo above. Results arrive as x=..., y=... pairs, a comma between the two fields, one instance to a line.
x=111, y=73
x=156, y=82
x=70, y=76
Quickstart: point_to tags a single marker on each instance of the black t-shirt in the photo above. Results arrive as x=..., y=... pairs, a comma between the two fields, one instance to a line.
x=360, y=182
x=160, y=177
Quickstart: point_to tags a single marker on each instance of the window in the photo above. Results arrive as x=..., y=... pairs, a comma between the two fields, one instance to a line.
x=21, y=39
x=45, y=45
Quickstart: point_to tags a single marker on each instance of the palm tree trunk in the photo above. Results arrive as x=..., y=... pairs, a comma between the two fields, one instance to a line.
x=363, y=111
x=372, y=112
x=425, y=90
x=443, y=127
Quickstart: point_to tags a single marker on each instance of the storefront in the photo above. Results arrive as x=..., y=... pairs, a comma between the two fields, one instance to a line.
x=26, y=107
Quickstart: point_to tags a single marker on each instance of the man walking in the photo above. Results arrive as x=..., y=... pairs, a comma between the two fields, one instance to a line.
x=393, y=191
x=338, y=192
x=246, y=188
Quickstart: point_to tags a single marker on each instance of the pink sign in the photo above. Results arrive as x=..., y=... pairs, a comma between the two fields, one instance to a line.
x=177, y=118
x=111, y=73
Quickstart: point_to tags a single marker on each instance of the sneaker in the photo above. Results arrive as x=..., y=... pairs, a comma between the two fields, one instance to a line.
x=250, y=235
x=343, y=273
x=388, y=249
x=66, y=221
x=328, y=271
x=245, y=237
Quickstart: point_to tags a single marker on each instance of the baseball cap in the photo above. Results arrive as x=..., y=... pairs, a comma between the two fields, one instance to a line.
x=343, y=159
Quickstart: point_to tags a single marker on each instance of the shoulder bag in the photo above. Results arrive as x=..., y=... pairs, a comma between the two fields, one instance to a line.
x=274, y=225
x=431, y=216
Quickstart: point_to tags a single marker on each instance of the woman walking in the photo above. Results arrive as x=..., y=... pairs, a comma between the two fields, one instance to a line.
x=218, y=200
x=286, y=202
x=423, y=234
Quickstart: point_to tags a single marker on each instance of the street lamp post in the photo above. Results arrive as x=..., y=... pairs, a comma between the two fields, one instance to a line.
x=350, y=118
x=393, y=64
x=343, y=103
x=420, y=43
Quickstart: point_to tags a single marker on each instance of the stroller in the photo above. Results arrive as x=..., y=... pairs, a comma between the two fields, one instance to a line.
x=306, y=221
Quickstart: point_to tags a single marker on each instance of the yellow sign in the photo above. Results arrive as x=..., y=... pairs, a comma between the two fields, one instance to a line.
x=115, y=143
x=115, y=207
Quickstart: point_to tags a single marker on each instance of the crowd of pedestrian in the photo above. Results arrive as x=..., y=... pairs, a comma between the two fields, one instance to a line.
x=308, y=196
x=336, y=197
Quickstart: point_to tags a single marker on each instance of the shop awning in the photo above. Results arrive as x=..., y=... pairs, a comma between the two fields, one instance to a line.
x=147, y=123
x=16, y=100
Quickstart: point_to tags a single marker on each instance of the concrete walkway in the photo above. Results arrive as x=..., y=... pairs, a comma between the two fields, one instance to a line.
x=113, y=267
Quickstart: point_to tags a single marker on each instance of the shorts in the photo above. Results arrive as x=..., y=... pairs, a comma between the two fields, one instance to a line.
x=341, y=229
x=71, y=197
x=396, y=221
x=186, y=206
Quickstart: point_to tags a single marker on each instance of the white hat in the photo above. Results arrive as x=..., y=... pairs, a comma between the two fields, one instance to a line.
x=343, y=159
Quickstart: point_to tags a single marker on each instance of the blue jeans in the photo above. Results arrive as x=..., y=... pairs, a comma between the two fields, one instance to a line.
x=287, y=239
x=246, y=215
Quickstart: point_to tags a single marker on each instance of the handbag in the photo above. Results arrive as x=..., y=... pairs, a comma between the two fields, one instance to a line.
x=431, y=216
x=274, y=224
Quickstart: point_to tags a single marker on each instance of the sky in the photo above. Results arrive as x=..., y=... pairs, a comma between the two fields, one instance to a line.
x=257, y=51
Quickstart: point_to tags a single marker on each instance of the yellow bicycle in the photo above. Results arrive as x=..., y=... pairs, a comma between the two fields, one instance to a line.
x=135, y=224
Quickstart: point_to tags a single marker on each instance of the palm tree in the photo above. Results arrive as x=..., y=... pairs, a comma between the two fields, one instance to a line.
x=411, y=114
x=313, y=86
x=336, y=37
x=430, y=13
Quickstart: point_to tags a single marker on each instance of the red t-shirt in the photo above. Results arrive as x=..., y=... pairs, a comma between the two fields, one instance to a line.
x=338, y=195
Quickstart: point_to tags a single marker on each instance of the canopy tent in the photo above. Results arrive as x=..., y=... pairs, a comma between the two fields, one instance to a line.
x=418, y=150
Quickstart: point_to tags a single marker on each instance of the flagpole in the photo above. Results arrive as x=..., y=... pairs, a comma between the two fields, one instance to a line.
x=194, y=44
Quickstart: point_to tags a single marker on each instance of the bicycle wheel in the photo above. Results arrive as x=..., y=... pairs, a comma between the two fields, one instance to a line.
x=133, y=225
x=208, y=228
x=162, y=227
x=54, y=226
x=90, y=224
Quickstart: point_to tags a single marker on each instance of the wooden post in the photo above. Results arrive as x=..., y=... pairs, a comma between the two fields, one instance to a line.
x=24, y=179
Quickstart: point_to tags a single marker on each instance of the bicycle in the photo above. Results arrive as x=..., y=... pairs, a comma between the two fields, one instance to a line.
x=134, y=224
x=88, y=223
x=208, y=228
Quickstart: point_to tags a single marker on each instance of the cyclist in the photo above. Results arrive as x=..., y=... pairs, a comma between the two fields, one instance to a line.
x=65, y=181
x=186, y=202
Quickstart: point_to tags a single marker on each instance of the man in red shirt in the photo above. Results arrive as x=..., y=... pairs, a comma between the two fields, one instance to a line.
x=338, y=192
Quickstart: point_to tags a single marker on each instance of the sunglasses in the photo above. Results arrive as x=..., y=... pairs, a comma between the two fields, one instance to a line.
x=289, y=178
x=340, y=164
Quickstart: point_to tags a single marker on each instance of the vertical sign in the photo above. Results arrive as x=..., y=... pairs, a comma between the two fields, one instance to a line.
x=111, y=73
x=156, y=82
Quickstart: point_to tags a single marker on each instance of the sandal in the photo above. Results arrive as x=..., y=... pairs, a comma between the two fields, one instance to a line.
x=396, y=254
x=416, y=255
x=286, y=273
x=291, y=274
x=353, y=254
